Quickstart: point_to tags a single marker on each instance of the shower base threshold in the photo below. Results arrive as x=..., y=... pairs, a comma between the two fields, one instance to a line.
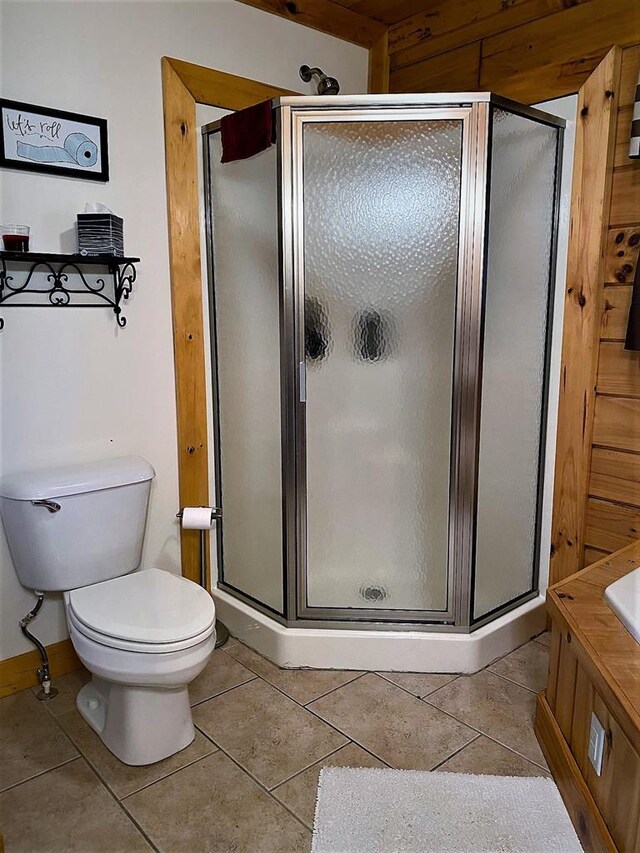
x=390, y=650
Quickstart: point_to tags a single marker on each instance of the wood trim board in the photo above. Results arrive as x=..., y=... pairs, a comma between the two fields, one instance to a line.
x=19, y=673
x=184, y=85
x=590, y=202
x=379, y=65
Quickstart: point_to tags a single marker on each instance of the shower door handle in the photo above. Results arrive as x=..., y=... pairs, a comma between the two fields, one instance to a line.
x=302, y=376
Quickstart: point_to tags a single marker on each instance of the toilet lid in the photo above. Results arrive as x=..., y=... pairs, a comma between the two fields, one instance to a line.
x=150, y=606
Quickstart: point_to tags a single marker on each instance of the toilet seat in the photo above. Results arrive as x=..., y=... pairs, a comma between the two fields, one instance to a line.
x=132, y=646
x=147, y=611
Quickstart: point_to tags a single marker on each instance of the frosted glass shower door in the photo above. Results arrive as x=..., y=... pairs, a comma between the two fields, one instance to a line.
x=247, y=406
x=520, y=250
x=380, y=210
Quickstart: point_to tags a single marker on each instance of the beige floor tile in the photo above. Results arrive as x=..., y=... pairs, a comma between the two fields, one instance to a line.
x=66, y=810
x=398, y=728
x=418, y=683
x=231, y=642
x=220, y=808
x=486, y=756
x=67, y=687
x=303, y=685
x=30, y=739
x=220, y=674
x=545, y=638
x=528, y=666
x=299, y=794
x=499, y=708
x=267, y=733
x=121, y=778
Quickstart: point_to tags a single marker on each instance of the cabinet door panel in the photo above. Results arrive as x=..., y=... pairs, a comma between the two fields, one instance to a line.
x=617, y=790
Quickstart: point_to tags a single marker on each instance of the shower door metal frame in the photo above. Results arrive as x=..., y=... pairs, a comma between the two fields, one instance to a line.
x=466, y=343
x=523, y=111
x=465, y=413
x=207, y=131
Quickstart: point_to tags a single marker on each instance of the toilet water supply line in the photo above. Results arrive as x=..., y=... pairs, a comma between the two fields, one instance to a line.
x=44, y=675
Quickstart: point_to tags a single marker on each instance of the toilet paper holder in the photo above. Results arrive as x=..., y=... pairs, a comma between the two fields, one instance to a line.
x=222, y=632
x=216, y=512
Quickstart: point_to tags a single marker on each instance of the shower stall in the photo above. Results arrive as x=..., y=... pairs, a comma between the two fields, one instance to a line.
x=381, y=283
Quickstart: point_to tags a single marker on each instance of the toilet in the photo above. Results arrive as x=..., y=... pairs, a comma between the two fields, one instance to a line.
x=144, y=635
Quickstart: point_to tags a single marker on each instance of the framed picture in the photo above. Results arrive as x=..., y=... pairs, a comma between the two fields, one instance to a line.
x=40, y=139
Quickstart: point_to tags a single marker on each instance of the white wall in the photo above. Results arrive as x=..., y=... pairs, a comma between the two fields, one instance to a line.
x=73, y=386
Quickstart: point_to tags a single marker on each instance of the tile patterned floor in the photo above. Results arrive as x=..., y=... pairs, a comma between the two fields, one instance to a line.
x=247, y=784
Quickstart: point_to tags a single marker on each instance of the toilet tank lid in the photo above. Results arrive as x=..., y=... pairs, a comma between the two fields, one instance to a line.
x=75, y=479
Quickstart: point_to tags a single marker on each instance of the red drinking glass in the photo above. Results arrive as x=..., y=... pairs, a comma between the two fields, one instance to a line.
x=15, y=238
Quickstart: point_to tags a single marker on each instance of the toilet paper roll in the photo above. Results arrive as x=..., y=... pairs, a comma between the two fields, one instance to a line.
x=77, y=148
x=83, y=151
x=197, y=517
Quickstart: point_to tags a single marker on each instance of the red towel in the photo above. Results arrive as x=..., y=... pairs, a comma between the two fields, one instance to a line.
x=247, y=132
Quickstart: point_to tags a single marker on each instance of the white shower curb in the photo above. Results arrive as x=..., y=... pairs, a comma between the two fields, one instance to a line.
x=399, y=651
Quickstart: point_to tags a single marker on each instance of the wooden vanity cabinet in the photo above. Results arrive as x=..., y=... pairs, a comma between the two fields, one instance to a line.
x=594, y=668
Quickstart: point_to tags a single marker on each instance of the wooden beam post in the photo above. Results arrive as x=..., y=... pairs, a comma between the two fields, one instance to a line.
x=379, y=65
x=590, y=202
x=184, y=85
x=186, y=303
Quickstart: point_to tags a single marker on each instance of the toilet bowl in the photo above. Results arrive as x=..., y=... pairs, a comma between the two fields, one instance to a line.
x=144, y=637
x=143, y=634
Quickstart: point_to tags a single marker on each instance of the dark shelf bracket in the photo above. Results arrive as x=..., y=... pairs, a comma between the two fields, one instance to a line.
x=61, y=273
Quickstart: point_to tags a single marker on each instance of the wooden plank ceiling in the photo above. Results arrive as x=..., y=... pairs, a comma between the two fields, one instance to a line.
x=526, y=49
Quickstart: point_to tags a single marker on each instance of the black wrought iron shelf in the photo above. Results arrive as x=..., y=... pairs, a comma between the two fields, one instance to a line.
x=59, y=292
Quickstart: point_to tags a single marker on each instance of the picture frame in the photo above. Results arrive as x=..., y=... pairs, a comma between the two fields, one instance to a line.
x=54, y=142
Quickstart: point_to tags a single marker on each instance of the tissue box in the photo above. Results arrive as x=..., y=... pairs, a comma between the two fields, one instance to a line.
x=100, y=234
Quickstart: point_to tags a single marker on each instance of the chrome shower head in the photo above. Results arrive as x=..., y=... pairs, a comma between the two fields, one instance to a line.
x=325, y=86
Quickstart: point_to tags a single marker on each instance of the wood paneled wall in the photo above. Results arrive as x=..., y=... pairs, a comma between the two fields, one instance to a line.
x=613, y=501
x=593, y=156
x=530, y=50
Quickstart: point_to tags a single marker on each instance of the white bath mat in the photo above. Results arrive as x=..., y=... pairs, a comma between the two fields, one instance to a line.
x=411, y=811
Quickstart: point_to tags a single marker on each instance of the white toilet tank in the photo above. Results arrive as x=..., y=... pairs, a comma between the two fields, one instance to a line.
x=77, y=525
